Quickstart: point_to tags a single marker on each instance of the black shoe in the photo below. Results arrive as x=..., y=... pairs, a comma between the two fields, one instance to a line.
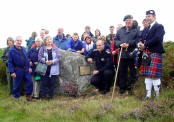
x=50, y=98
x=43, y=98
x=103, y=92
x=28, y=98
x=122, y=91
x=146, y=98
x=107, y=89
x=35, y=97
x=130, y=92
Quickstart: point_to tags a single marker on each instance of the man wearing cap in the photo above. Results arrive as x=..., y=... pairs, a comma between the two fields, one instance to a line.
x=126, y=39
x=153, y=46
x=19, y=68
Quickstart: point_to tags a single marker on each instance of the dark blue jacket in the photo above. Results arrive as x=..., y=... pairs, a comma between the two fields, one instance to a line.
x=154, y=39
x=74, y=46
x=33, y=57
x=143, y=35
x=15, y=59
x=60, y=42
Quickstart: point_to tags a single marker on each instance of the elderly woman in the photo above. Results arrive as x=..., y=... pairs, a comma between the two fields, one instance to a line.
x=10, y=43
x=33, y=57
x=50, y=55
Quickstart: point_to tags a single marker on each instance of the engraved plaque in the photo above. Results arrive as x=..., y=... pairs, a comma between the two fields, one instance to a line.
x=85, y=70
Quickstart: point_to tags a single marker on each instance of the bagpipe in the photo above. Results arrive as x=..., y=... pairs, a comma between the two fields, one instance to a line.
x=141, y=55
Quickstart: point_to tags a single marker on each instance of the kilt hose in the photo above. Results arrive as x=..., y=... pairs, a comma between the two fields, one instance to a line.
x=155, y=67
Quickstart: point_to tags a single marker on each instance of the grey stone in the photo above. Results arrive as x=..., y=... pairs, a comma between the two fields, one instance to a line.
x=69, y=72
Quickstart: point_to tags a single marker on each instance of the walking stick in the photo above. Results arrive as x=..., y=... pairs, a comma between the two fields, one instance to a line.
x=116, y=74
x=107, y=106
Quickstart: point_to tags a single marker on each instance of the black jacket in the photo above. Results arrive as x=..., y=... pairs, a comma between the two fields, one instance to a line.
x=103, y=60
x=130, y=37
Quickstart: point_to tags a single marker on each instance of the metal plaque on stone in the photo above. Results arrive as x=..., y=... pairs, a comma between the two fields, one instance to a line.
x=85, y=70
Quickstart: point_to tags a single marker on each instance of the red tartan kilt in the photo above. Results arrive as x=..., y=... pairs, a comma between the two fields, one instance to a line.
x=155, y=68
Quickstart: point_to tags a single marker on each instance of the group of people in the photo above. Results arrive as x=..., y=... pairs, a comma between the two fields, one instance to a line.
x=132, y=43
x=21, y=67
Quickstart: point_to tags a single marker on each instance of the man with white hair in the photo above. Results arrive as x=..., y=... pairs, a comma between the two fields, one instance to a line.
x=60, y=40
x=19, y=69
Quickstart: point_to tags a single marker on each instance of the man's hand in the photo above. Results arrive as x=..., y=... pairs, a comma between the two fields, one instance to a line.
x=30, y=70
x=95, y=72
x=124, y=45
x=90, y=60
x=79, y=52
x=113, y=52
x=13, y=75
x=141, y=45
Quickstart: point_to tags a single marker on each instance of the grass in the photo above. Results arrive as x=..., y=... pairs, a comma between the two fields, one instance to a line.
x=91, y=108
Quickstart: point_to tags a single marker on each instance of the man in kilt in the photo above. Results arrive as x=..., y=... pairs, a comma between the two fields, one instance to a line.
x=153, y=46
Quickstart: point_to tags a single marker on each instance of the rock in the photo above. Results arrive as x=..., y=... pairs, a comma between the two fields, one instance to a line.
x=70, y=74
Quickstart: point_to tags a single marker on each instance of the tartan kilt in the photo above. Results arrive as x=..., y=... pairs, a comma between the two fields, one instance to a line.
x=155, y=68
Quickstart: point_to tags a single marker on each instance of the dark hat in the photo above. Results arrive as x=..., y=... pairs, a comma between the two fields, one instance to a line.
x=128, y=17
x=150, y=12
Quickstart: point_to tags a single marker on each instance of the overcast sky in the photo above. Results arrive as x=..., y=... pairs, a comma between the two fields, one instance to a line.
x=22, y=17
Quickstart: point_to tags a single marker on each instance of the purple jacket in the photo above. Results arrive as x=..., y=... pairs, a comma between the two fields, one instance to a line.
x=43, y=56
